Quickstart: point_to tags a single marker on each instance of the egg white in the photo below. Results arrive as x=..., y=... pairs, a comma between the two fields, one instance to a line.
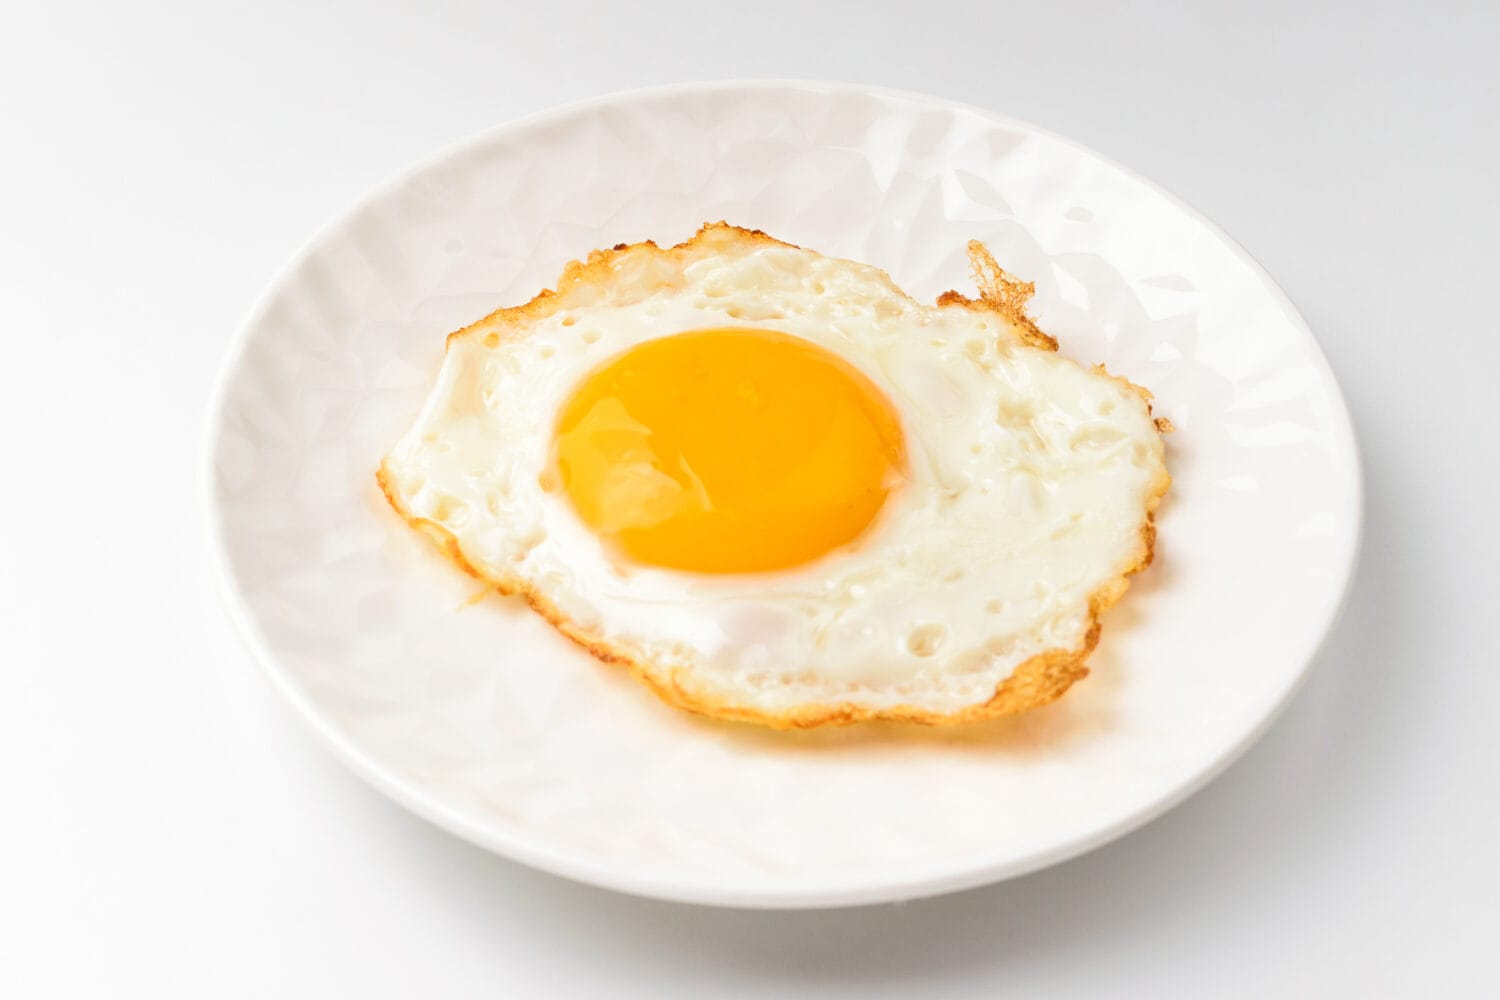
x=1031, y=485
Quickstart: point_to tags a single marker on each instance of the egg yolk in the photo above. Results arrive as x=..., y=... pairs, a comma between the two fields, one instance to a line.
x=728, y=451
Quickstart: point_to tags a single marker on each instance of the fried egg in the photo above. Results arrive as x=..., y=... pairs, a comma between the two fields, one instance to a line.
x=780, y=490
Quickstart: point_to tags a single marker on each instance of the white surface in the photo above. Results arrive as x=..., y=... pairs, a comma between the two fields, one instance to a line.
x=495, y=726
x=173, y=830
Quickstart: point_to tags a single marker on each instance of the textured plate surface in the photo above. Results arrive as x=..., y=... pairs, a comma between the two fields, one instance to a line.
x=479, y=717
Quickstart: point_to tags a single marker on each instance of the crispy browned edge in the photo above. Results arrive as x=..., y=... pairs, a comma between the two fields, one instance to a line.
x=1037, y=681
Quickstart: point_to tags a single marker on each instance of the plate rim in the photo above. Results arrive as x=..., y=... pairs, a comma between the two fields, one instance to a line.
x=783, y=895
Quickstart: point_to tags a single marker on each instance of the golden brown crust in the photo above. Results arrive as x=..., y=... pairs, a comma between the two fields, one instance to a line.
x=1003, y=293
x=1035, y=682
x=596, y=268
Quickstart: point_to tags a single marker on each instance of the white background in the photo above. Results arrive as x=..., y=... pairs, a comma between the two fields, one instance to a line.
x=173, y=831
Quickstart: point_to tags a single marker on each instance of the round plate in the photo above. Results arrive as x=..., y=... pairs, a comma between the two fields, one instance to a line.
x=478, y=716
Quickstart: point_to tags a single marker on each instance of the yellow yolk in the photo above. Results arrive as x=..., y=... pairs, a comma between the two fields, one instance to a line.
x=728, y=451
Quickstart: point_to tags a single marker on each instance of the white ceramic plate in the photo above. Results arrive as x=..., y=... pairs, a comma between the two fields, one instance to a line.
x=480, y=718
